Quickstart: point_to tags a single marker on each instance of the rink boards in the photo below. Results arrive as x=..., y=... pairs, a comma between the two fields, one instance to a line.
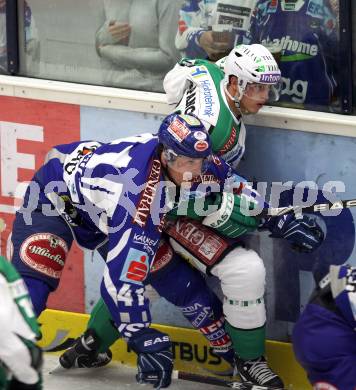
x=191, y=350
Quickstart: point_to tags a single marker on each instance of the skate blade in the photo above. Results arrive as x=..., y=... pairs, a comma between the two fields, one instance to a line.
x=59, y=369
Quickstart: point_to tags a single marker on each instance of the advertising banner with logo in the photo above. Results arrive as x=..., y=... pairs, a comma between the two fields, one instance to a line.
x=28, y=130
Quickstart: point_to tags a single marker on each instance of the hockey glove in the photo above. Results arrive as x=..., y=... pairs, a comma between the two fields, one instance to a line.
x=36, y=363
x=304, y=234
x=232, y=219
x=154, y=357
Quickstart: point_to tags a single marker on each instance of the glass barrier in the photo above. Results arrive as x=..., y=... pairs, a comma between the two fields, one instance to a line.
x=133, y=43
x=121, y=43
x=303, y=36
x=3, y=47
x=353, y=17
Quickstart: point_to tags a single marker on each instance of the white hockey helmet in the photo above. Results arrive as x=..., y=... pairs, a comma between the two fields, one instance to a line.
x=252, y=64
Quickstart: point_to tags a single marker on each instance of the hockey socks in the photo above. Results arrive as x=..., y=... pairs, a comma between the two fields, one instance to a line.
x=247, y=343
x=101, y=322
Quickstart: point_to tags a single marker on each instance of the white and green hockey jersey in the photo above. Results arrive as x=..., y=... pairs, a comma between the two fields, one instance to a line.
x=18, y=325
x=196, y=87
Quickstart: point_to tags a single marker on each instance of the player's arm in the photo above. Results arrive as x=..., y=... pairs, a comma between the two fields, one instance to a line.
x=190, y=29
x=176, y=81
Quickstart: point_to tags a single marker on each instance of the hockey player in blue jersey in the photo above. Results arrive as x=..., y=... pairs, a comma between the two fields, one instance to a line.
x=235, y=331
x=324, y=337
x=114, y=197
x=303, y=34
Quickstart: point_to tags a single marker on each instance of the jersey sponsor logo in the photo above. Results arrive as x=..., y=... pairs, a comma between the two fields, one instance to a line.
x=208, y=98
x=230, y=142
x=178, y=130
x=198, y=239
x=199, y=71
x=70, y=166
x=136, y=267
x=45, y=252
x=201, y=146
x=190, y=99
x=286, y=43
x=144, y=205
x=146, y=242
x=163, y=256
x=142, y=239
x=297, y=90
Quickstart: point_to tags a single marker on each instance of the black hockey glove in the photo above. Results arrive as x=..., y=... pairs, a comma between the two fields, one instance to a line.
x=154, y=357
x=303, y=233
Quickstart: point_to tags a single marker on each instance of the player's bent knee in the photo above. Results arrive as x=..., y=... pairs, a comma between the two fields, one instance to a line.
x=242, y=274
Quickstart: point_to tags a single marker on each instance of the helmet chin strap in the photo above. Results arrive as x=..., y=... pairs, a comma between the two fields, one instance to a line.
x=237, y=100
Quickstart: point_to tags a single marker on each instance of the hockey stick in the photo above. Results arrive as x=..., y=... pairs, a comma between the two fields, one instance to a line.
x=211, y=380
x=318, y=207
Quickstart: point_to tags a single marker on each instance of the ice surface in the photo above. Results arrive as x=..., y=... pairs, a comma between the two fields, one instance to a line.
x=114, y=376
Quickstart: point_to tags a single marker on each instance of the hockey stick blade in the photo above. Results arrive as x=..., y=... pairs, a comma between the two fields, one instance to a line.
x=211, y=380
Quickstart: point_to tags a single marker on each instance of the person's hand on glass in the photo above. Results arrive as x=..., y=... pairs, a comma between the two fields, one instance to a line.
x=120, y=32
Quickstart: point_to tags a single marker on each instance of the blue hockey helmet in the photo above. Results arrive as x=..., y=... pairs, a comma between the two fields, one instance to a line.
x=343, y=289
x=184, y=135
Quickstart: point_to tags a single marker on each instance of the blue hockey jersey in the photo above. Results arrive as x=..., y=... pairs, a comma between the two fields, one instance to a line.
x=115, y=193
x=303, y=36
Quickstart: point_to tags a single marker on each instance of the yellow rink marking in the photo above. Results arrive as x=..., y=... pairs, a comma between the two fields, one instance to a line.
x=190, y=348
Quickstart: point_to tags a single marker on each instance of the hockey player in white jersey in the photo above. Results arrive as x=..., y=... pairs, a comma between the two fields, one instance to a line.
x=220, y=94
x=20, y=358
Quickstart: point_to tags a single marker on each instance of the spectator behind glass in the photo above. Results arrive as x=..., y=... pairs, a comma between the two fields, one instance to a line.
x=3, y=56
x=31, y=41
x=303, y=34
x=136, y=42
x=209, y=29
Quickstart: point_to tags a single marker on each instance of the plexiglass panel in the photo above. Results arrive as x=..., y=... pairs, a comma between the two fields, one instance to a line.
x=121, y=43
x=133, y=43
x=3, y=48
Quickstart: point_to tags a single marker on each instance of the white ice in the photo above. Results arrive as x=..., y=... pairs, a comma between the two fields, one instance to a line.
x=115, y=376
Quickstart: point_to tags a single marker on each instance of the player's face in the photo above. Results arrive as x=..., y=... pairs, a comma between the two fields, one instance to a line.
x=255, y=97
x=185, y=168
